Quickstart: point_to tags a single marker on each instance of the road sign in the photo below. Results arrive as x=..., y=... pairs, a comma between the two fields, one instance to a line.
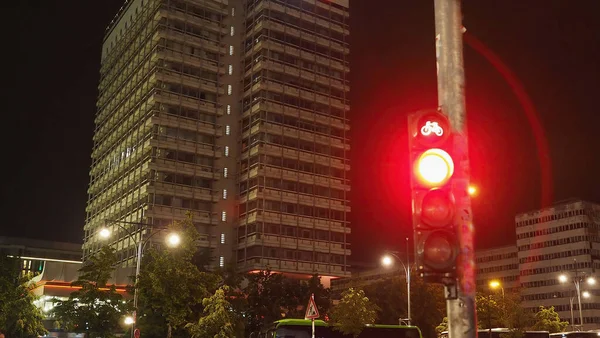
x=136, y=333
x=311, y=310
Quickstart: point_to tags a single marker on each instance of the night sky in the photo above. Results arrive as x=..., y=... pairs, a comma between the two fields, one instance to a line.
x=51, y=67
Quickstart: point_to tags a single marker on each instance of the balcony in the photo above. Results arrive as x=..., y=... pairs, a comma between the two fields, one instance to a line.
x=292, y=175
x=185, y=191
x=308, y=116
x=180, y=214
x=191, y=169
x=294, y=197
x=293, y=220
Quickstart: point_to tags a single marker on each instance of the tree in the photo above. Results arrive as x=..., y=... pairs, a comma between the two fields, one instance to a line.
x=322, y=295
x=219, y=320
x=442, y=327
x=19, y=317
x=428, y=305
x=171, y=287
x=353, y=312
x=96, y=308
x=546, y=319
x=265, y=295
x=489, y=311
x=390, y=296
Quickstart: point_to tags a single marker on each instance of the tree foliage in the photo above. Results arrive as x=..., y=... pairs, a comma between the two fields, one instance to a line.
x=443, y=326
x=427, y=302
x=171, y=287
x=96, y=308
x=272, y=296
x=354, y=311
x=19, y=317
x=218, y=320
x=546, y=319
x=265, y=295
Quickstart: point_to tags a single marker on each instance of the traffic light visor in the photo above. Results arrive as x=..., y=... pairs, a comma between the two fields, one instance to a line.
x=434, y=167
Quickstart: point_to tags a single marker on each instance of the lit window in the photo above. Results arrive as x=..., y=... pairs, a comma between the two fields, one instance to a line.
x=221, y=261
x=227, y=130
x=222, y=238
x=231, y=32
x=229, y=89
x=230, y=50
x=224, y=172
x=224, y=194
x=228, y=109
x=226, y=150
x=224, y=216
x=232, y=11
x=230, y=69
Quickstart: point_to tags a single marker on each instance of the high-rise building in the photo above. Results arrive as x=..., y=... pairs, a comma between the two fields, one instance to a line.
x=235, y=110
x=561, y=240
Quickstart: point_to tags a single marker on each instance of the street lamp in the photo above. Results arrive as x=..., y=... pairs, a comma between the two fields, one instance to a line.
x=388, y=261
x=495, y=284
x=577, y=282
x=173, y=240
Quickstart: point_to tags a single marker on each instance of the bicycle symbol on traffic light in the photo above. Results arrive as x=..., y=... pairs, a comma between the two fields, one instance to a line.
x=432, y=127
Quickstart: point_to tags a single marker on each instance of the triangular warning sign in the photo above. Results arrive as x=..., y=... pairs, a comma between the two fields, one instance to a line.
x=311, y=310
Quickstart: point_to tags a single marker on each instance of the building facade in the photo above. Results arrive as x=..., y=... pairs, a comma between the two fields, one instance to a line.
x=561, y=240
x=236, y=112
x=498, y=264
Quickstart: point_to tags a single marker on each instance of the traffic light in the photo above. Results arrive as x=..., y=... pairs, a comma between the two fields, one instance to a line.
x=433, y=203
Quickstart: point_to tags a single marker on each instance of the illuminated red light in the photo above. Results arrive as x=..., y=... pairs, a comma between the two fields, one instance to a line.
x=434, y=167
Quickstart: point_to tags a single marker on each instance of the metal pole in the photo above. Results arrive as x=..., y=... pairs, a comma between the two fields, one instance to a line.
x=408, y=280
x=135, y=293
x=579, y=304
x=450, y=75
x=572, y=317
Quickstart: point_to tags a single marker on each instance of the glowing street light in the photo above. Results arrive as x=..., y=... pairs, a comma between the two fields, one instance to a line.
x=563, y=278
x=386, y=260
x=472, y=190
x=129, y=320
x=104, y=233
x=586, y=294
x=173, y=239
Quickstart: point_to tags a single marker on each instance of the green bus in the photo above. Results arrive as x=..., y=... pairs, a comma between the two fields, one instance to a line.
x=302, y=328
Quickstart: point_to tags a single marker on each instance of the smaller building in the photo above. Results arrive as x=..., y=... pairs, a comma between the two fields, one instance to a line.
x=500, y=264
x=54, y=265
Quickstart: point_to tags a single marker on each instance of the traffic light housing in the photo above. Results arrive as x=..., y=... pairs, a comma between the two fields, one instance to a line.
x=433, y=203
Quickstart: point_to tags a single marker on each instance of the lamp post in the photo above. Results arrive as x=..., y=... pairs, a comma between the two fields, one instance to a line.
x=577, y=279
x=173, y=239
x=387, y=261
x=495, y=284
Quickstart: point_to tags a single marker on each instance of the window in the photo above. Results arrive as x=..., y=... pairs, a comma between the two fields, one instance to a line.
x=231, y=31
x=228, y=109
x=226, y=151
x=224, y=216
x=230, y=50
x=221, y=261
x=229, y=89
x=227, y=129
x=230, y=71
x=224, y=172
x=222, y=238
x=224, y=194
x=232, y=11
